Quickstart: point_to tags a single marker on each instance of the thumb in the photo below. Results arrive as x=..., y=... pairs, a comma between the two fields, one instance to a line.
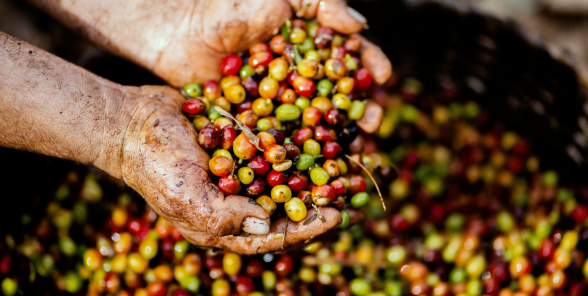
x=331, y=13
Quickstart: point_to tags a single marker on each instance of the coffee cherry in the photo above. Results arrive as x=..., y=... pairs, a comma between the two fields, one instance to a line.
x=321, y=103
x=275, y=154
x=281, y=193
x=243, y=148
x=298, y=181
x=292, y=76
x=227, y=137
x=278, y=135
x=223, y=152
x=363, y=80
x=359, y=200
x=334, y=117
x=194, y=107
x=287, y=112
x=235, y=93
x=302, y=135
x=256, y=187
x=245, y=106
x=335, y=68
x=275, y=178
x=211, y=90
x=268, y=88
x=208, y=137
x=278, y=69
x=282, y=166
x=246, y=175
x=356, y=110
x=266, y=140
x=222, y=122
x=304, y=162
x=323, y=133
x=259, y=47
x=260, y=59
x=331, y=167
x=231, y=65
x=262, y=107
x=228, y=81
x=345, y=85
x=311, y=147
x=267, y=204
x=232, y=264
x=311, y=116
x=295, y=209
x=193, y=90
x=248, y=118
x=292, y=152
x=259, y=165
x=220, y=166
x=356, y=184
x=200, y=122
x=251, y=85
x=288, y=97
x=341, y=101
x=319, y=176
x=230, y=185
x=339, y=187
x=92, y=259
x=308, y=68
x=323, y=37
x=322, y=195
x=331, y=150
x=277, y=44
x=298, y=35
x=303, y=86
x=338, y=52
x=264, y=124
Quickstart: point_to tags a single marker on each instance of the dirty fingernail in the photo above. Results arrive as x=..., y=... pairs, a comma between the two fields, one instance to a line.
x=255, y=226
x=356, y=15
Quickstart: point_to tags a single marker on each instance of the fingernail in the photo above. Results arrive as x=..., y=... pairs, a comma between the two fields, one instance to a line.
x=255, y=226
x=356, y=15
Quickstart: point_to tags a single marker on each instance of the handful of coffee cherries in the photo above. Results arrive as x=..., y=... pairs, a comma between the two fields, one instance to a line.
x=279, y=124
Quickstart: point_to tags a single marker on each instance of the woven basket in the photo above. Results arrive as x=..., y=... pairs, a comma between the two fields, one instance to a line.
x=533, y=88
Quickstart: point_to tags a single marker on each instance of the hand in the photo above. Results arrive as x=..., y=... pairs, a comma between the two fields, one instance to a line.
x=184, y=41
x=136, y=134
x=162, y=161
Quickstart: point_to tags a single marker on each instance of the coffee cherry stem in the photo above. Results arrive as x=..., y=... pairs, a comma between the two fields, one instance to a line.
x=253, y=139
x=233, y=170
x=285, y=231
x=371, y=177
x=318, y=213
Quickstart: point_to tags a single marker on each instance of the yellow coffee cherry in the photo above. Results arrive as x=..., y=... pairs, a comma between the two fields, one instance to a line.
x=231, y=263
x=267, y=203
x=295, y=209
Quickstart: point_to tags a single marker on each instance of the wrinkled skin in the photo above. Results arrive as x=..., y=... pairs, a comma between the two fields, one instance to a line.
x=139, y=134
x=184, y=41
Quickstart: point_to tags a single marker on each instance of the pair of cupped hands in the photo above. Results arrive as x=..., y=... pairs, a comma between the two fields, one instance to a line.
x=158, y=155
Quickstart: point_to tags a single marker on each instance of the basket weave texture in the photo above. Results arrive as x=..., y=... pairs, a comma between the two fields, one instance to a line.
x=535, y=89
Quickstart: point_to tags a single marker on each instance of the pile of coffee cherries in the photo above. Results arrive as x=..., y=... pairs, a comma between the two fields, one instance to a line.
x=470, y=213
x=278, y=124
